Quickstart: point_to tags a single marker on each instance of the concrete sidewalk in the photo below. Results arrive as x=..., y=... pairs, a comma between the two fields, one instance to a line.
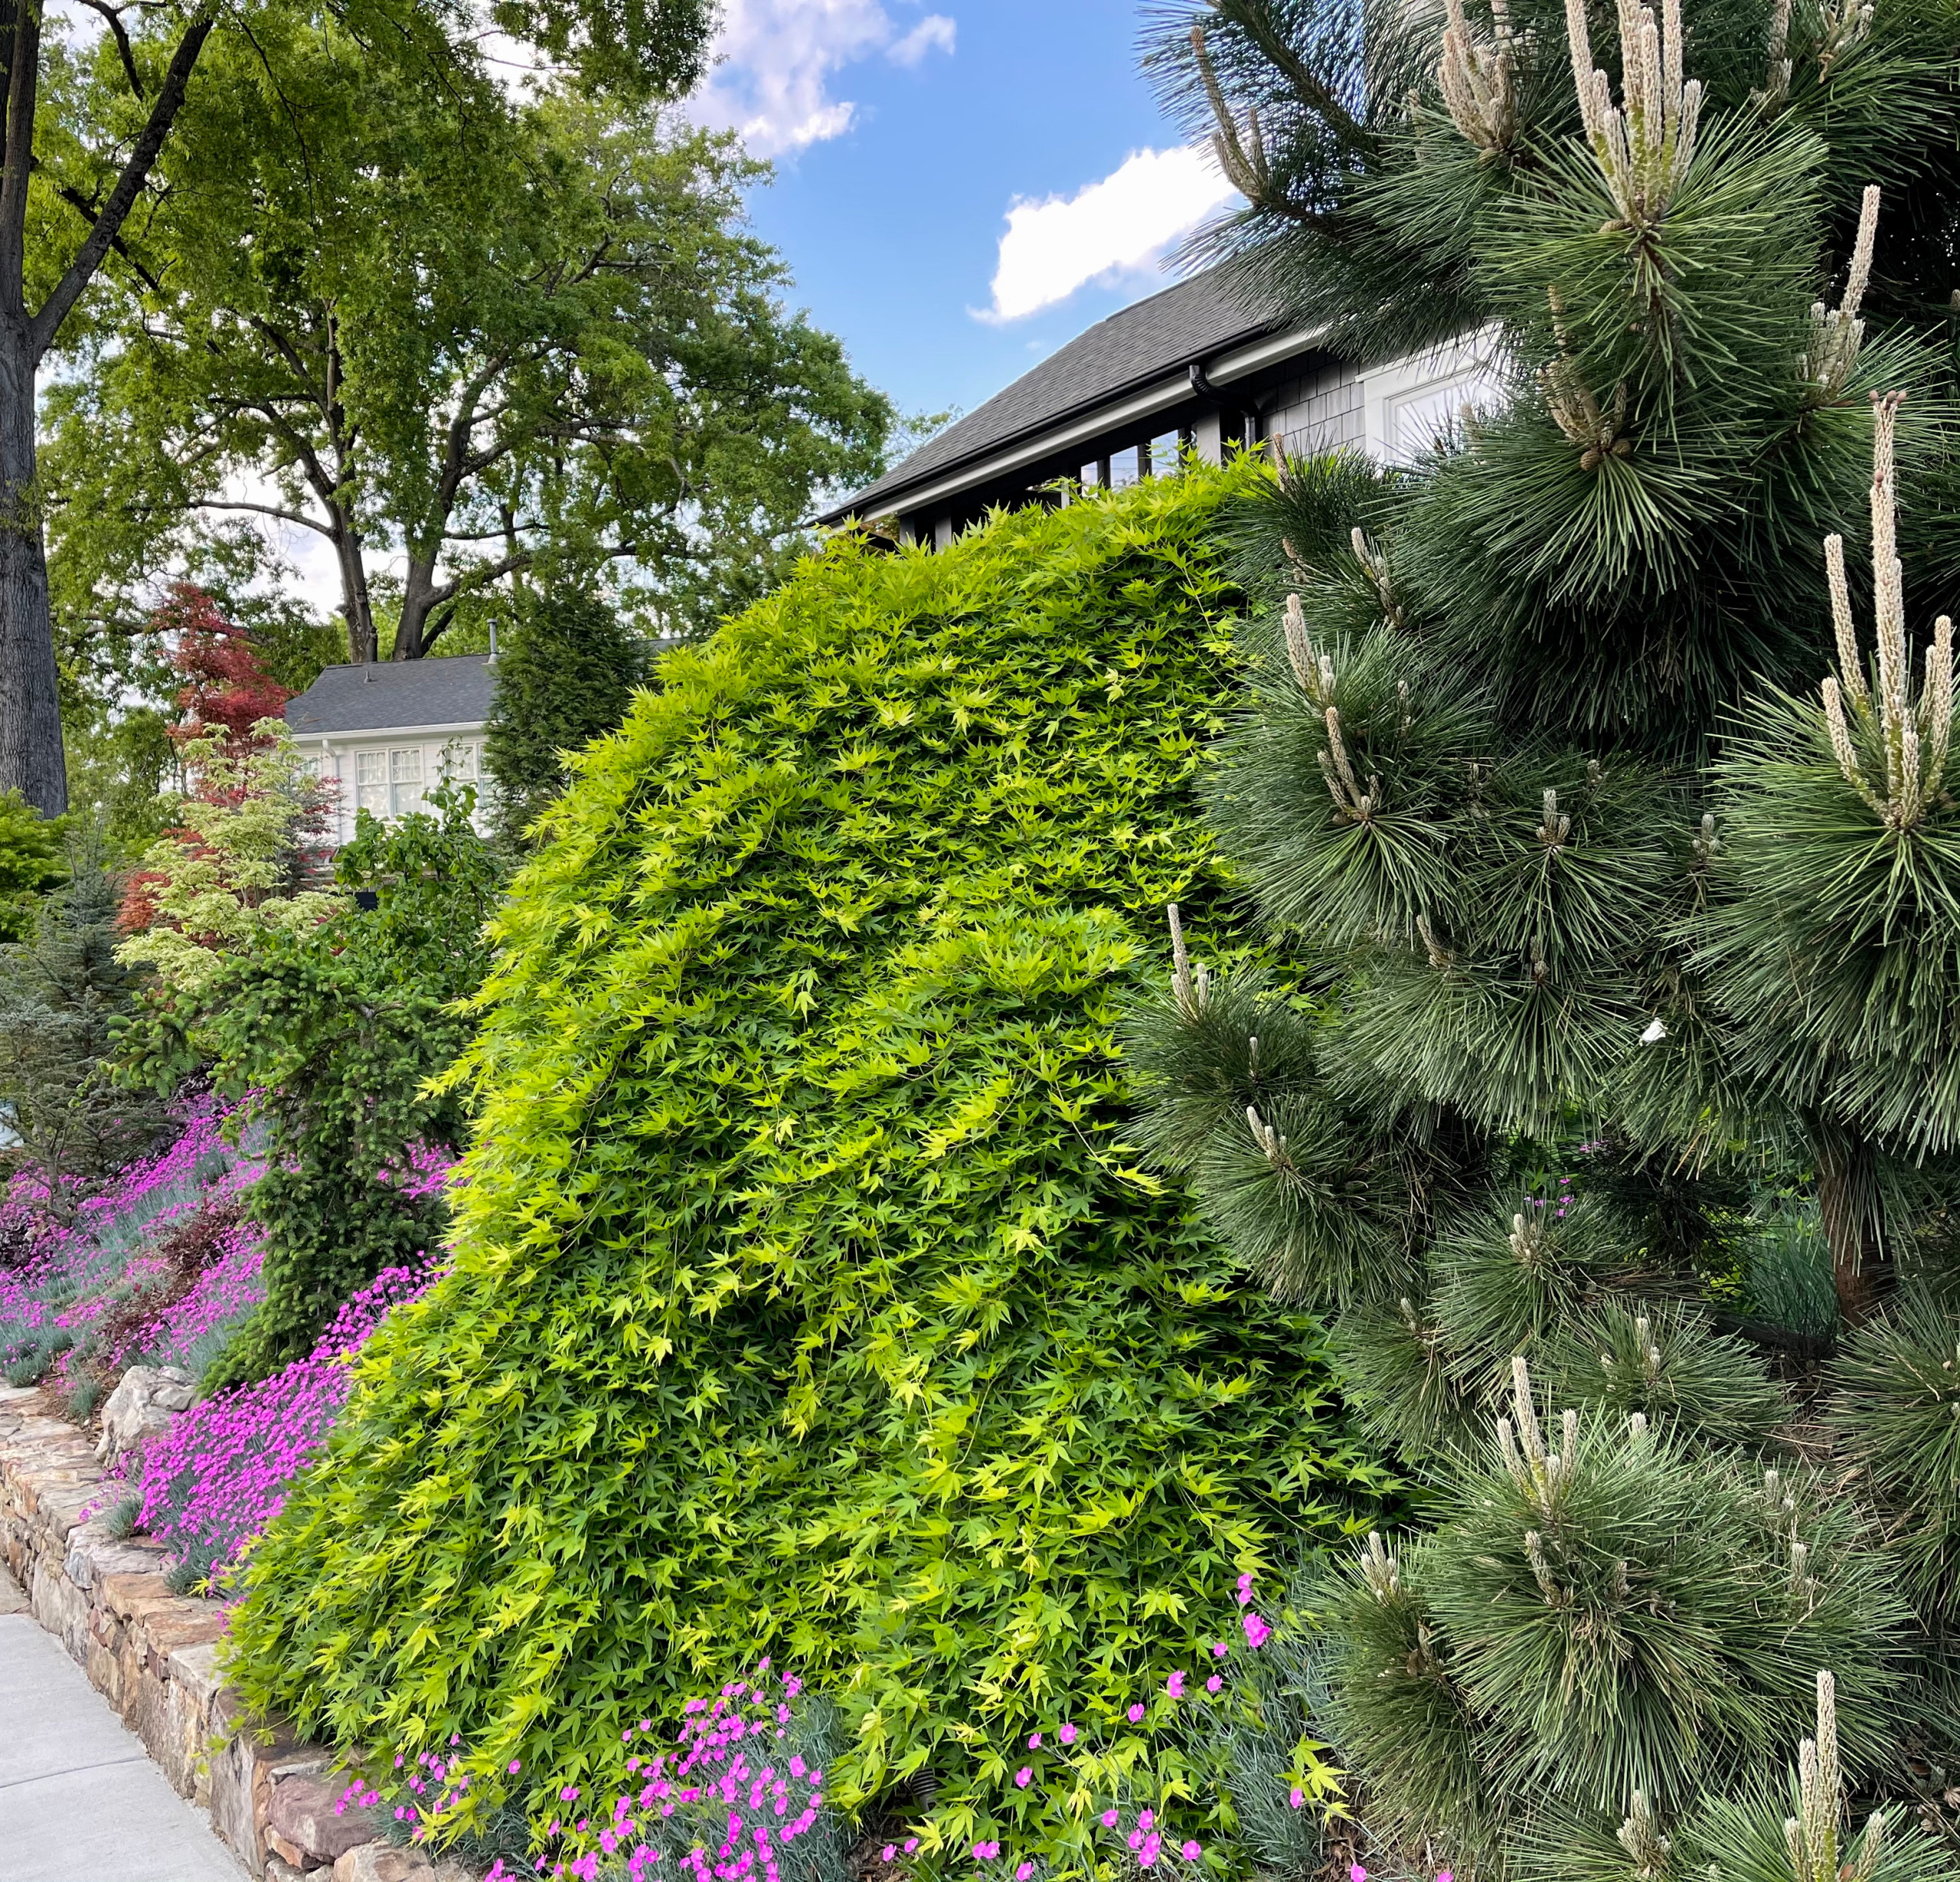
x=80, y=1799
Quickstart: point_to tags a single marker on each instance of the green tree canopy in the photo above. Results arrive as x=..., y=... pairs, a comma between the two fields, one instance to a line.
x=77, y=177
x=485, y=338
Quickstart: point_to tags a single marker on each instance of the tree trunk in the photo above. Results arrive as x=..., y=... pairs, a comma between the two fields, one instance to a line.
x=31, y=759
x=362, y=644
x=1847, y=1199
x=419, y=598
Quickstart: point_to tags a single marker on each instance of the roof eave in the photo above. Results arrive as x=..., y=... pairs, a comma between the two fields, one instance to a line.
x=1155, y=391
x=448, y=729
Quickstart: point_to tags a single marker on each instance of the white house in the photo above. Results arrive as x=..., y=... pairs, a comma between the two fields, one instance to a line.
x=388, y=732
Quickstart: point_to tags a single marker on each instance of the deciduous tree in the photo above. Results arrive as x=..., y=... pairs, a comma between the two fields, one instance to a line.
x=69, y=188
x=477, y=341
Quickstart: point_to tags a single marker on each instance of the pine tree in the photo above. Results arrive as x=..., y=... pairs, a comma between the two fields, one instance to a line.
x=565, y=675
x=1602, y=829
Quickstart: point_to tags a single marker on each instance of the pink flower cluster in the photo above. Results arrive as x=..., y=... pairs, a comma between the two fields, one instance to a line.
x=1257, y=1630
x=736, y=1800
x=72, y=1274
x=723, y=1803
x=213, y=1481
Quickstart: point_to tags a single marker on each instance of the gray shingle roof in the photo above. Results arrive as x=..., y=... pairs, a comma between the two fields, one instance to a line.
x=1144, y=342
x=455, y=690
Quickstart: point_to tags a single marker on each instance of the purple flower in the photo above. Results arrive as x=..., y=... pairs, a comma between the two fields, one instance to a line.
x=1023, y=1777
x=1174, y=1685
x=1135, y=1715
x=1067, y=1734
x=1214, y=1683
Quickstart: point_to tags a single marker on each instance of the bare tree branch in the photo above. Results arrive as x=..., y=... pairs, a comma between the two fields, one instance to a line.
x=114, y=16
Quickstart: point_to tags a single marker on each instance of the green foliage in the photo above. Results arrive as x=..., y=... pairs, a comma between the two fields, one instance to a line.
x=31, y=864
x=1582, y=867
x=327, y=1039
x=1665, y=1362
x=1329, y=1206
x=63, y=992
x=1603, y=1611
x=1835, y=945
x=486, y=336
x=1799, y=1831
x=566, y=671
x=1786, y=1276
x=240, y=867
x=806, y=1299
x=1898, y=1385
x=121, y=763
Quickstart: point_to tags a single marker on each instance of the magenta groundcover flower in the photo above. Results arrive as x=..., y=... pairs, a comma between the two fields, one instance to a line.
x=73, y=1274
x=213, y=1481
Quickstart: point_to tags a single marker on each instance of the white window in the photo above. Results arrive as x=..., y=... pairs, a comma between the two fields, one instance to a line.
x=370, y=782
x=459, y=761
x=1413, y=402
x=405, y=774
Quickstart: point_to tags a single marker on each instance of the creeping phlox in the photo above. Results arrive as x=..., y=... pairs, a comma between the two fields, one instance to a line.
x=212, y=1482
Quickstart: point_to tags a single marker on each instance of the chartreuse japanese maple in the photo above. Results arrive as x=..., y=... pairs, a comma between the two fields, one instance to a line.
x=805, y=1299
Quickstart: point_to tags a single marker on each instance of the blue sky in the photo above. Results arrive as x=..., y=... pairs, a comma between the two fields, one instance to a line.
x=905, y=131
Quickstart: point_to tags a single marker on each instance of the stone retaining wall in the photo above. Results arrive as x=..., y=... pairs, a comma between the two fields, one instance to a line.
x=152, y=1655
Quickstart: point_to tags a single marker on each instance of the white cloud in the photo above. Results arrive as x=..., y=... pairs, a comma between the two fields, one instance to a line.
x=935, y=33
x=1120, y=226
x=777, y=58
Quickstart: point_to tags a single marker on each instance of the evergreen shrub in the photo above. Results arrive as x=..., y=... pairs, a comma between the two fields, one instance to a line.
x=1595, y=776
x=806, y=1299
x=565, y=675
